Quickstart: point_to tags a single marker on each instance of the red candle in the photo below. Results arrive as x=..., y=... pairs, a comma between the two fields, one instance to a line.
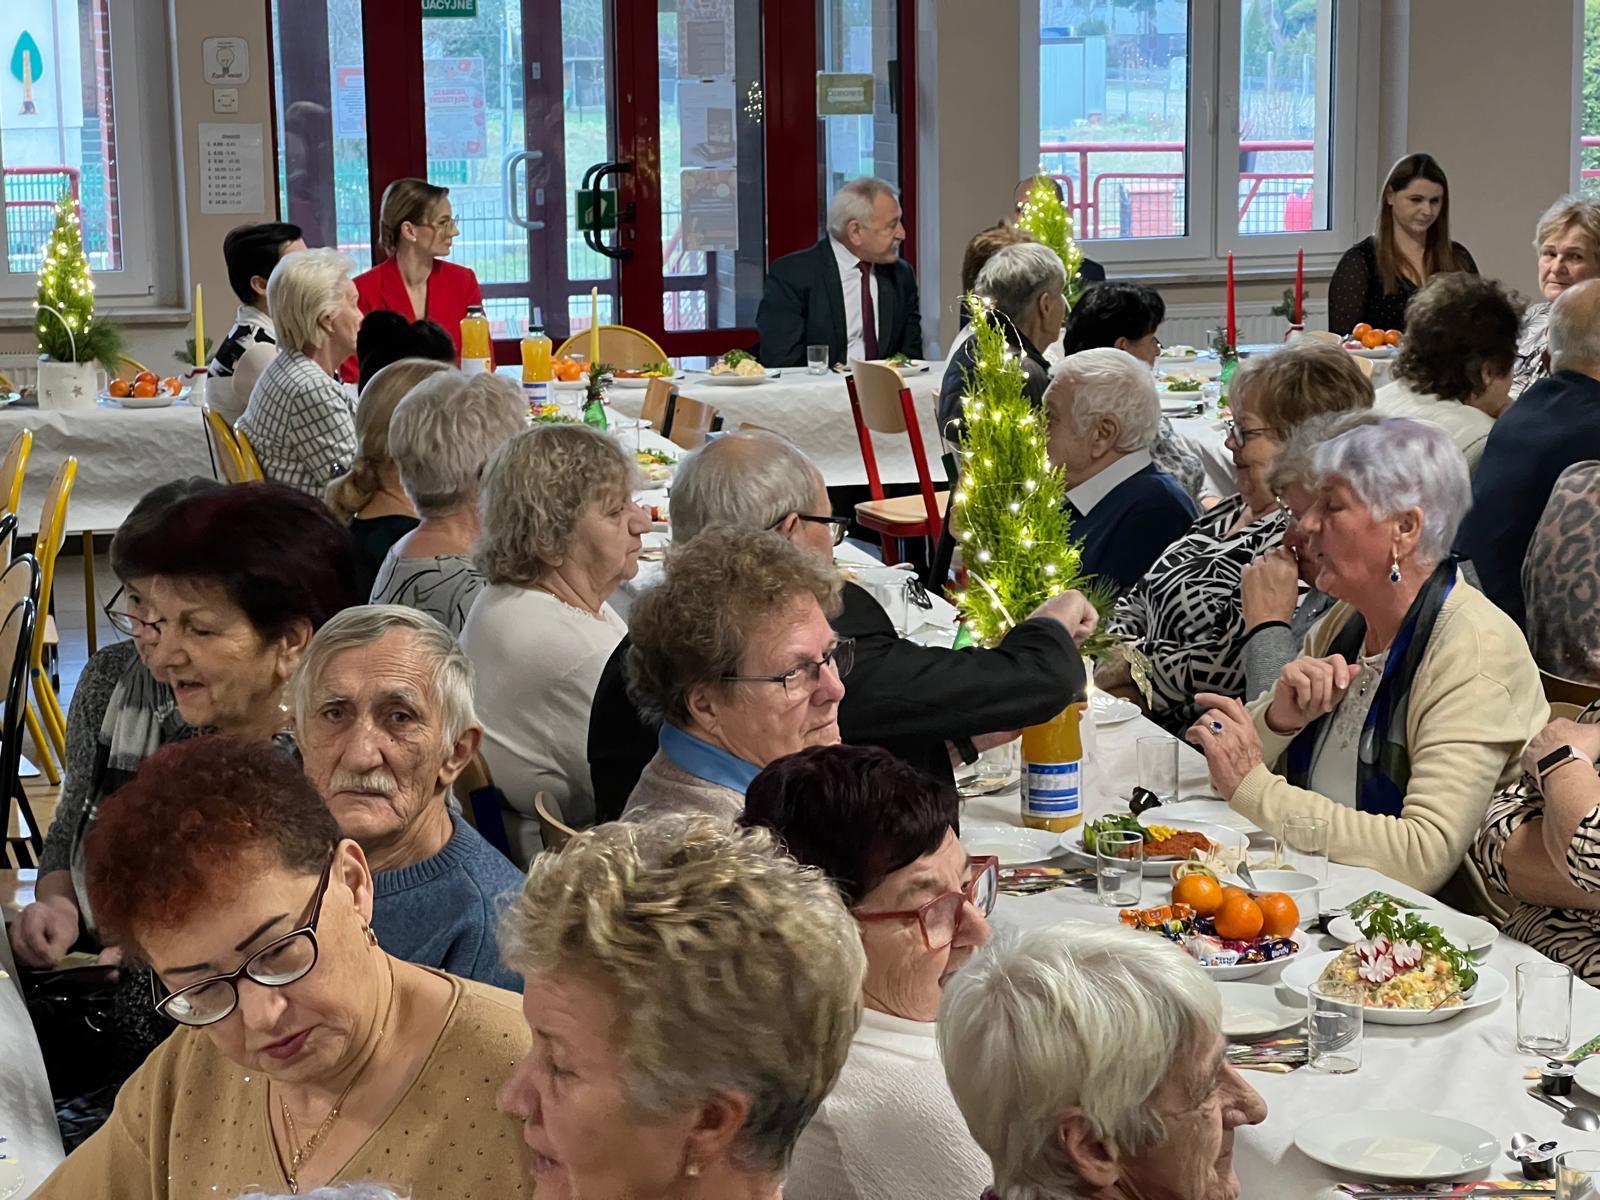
x=1300, y=287
x=1232, y=327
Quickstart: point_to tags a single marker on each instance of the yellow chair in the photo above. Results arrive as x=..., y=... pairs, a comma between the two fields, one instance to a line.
x=13, y=469
x=247, y=455
x=224, y=447
x=620, y=345
x=47, y=712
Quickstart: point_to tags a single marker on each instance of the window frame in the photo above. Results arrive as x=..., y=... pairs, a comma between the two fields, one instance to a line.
x=1212, y=185
x=147, y=134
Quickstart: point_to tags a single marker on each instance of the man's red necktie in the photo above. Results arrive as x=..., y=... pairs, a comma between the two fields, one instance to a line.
x=869, y=320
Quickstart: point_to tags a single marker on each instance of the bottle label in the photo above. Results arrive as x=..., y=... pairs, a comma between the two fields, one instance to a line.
x=1052, y=789
x=537, y=393
x=474, y=366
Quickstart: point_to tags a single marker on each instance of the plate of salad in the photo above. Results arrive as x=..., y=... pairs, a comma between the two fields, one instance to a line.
x=640, y=377
x=737, y=368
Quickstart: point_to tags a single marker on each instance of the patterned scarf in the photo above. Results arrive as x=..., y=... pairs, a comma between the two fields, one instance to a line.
x=1383, y=760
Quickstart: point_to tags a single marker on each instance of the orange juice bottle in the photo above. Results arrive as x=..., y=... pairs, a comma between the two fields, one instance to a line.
x=477, y=355
x=1052, y=772
x=537, y=369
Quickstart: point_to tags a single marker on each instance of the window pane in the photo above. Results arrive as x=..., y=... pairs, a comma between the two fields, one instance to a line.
x=1114, y=114
x=58, y=128
x=320, y=73
x=713, y=192
x=1589, y=147
x=1285, y=115
x=859, y=37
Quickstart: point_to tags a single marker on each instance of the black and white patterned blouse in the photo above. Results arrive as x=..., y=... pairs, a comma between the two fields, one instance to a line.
x=1529, y=366
x=444, y=587
x=1186, y=614
x=301, y=423
x=1567, y=935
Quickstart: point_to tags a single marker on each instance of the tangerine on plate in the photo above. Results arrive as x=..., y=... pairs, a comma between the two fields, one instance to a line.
x=1239, y=919
x=172, y=385
x=1372, y=339
x=120, y=388
x=1229, y=890
x=1279, y=914
x=1392, y=336
x=1361, y=330
x=146, y=377
x=144, y=388
x=1200, y=892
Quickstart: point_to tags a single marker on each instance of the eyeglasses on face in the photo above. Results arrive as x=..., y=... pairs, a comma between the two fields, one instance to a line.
x=277, y=964
x=1241, y=437
x=941, y=917
x=837, y=526
x=803, y=680
x=125, y=622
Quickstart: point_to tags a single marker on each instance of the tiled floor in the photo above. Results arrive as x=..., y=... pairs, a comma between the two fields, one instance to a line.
x=16, y=887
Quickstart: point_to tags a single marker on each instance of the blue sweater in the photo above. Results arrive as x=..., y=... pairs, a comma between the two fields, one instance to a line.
x=1132, y=526
x=441, y=912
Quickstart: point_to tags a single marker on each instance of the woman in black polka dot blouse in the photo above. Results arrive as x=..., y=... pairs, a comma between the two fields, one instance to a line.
x=1410, y=244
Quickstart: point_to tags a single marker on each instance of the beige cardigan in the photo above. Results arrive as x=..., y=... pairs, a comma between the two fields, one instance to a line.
x=1475, y=701
x=665, y=787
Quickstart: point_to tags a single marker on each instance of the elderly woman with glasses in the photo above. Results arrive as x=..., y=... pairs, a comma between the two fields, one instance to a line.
x=1185, y=618
x=1415, y=695
x=307, y=1055
x=417, y=228
x=885, y=835
x=561, y=532
x=1089, y=1063
x=692, y=993
x=734, y=658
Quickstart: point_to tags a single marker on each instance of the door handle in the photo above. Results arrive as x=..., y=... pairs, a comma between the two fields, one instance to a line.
x=592, y=232
x=512, y=162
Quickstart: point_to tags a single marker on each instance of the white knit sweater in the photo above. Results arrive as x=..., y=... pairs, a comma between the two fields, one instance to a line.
x=889, y=1130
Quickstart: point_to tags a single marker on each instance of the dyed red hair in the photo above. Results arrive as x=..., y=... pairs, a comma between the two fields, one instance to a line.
x=197, y=816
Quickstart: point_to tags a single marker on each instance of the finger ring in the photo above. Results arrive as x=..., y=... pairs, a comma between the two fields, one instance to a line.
x=1216, y=726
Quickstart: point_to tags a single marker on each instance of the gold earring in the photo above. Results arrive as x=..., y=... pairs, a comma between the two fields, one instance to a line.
x=692, y=1170
x=372, y=938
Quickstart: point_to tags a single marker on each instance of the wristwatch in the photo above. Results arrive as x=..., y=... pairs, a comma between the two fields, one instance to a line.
x=1558, y=758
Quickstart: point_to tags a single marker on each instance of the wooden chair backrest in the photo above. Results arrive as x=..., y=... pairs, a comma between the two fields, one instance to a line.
x=691, y=421
x=620, y=345
x=52, y=533
x=878, y=388
x=1570, y=691
x=14, y=469
x=553, y=831
x=1565, y=710
x=658, y=395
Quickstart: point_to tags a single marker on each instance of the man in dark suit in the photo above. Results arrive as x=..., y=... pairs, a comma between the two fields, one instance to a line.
x=919, y=702
x=851, y=291
x=1553, y=424
x=1104, y=416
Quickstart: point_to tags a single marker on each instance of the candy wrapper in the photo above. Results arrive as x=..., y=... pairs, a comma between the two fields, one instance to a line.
x=1198, y=936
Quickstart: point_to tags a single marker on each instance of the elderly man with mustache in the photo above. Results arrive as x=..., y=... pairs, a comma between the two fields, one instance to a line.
x=383, y=709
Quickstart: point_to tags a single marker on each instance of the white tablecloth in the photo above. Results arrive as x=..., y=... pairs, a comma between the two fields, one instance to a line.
x=813, y=412
x=1467, y=1067
x=27, y=1116
x=122, y=454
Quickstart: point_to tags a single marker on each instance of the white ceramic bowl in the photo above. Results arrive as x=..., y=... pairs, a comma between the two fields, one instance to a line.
x=1299, y=886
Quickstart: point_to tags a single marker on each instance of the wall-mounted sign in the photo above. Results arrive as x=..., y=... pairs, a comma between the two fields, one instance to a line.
x=843, y=95
x=227, y=60
x=449, y=8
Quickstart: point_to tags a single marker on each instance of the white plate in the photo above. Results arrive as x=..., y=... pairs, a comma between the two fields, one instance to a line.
x=1251, y=1011
x=630, y=382
x=1588, y=1075
x=569, y=385
x=1072, y=841
x=162, y=399
x=1397, y=1145
x=1011, y=844
x=1181, y=404
x=735, y=380
x=1376, y=353
x=1305, y=970
x=1471, y=933
x=1110, y=710
x=1210, y=812
x=1240, y=971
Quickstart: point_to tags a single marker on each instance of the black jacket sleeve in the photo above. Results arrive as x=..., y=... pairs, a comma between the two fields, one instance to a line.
x=620, y=743
x=781, y=316
x=911, y=340
x=912, y=699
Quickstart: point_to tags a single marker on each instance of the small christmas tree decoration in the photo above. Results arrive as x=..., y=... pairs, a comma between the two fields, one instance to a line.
x=594, y=400
x=64, y=320
x=1015, y=534
x=1046, y=218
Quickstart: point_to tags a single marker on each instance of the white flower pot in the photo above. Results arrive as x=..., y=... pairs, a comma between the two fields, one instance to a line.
x=68, y=386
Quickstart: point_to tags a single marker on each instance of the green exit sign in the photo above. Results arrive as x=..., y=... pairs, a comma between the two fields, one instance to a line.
x=591, y=199
x=450, y=8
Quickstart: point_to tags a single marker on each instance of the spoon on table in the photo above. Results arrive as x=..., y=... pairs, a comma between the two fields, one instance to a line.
x=1575, y=1115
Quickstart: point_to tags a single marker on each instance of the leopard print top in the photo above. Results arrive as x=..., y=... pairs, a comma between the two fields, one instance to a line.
x=1561, y=577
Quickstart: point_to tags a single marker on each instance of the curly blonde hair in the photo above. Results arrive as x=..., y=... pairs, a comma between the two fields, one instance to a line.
x=697, y=625
x=535, y=490
x=1302, y=380
x=732, y=967
x=354, y=490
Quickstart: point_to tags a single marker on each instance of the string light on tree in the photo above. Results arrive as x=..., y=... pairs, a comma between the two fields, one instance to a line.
x=1046, y=218
x=1009, y=507
x=64, y=316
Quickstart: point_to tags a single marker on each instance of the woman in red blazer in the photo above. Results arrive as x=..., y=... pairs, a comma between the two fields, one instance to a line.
x=416, y=228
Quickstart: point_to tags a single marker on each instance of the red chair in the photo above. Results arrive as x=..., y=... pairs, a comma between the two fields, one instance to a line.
x=881, y=402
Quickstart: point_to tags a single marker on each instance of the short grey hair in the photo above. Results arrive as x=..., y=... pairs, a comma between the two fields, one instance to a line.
x=1574, y=332
x=1568, y=212
x=1296, y=463
x=1017, y=275
x=747, y=480
x=303, y=288
x=535, y=490
x=447, y=664
x=443, y=432
x=1110, y=382
x=1397, y=463
x=1071, y=1015
x=854, y=202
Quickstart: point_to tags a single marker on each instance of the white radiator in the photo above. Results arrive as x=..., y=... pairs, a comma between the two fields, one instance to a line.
x=1191, y=324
